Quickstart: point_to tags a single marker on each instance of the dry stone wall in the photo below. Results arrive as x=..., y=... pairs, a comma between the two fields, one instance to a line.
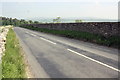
x=103, y=28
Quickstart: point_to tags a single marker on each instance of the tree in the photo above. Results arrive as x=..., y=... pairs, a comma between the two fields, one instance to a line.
x=30, y=22
x=36, y=22
x=57, y=20
x=15, y=22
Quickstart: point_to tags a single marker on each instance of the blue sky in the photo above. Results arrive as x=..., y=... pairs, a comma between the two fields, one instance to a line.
x=104, y=9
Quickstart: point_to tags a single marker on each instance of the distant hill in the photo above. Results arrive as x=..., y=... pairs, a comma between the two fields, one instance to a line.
x=72, y=20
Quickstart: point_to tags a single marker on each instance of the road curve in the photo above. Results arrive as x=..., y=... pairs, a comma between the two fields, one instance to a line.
x=53, y=56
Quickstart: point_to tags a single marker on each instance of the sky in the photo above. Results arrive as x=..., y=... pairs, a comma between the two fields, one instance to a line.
x=103, y=9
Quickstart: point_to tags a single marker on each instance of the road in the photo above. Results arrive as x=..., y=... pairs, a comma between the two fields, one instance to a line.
x=51, y=56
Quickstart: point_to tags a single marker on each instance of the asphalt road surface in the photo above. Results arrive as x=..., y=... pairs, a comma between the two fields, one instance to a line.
x=51, y=56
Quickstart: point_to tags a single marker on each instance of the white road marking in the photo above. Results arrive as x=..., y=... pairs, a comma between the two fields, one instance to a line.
x=27, y=32
x=94, y=60
x=42, y=38
x=47, y=40
x=33, y=34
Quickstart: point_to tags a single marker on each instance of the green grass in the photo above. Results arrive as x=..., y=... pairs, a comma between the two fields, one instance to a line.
x=112, y=41
x=12, y=62
x=0, y=70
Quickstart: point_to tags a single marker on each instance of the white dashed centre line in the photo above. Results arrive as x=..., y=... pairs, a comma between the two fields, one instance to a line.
x=47, y=40
x=33, y=34
x=94, y=60
x=42, y=38
x=27, y=32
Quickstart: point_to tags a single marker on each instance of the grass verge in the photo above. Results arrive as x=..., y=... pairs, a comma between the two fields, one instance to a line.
x=0, y=70
x=12, y=62
x=112, y=41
